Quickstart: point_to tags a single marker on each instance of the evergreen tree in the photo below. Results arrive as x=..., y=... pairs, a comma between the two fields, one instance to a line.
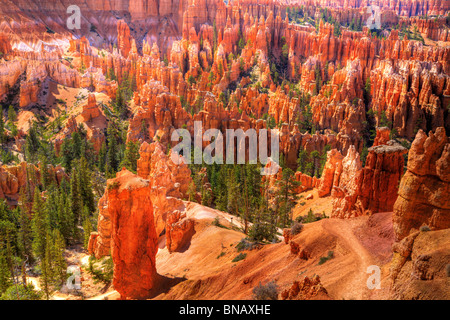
x=24, y=236
x=337, y=29
x=5, y=273
x=32, y=143
x=102, y=157
x=76, y=204
x=318, y=76
x=39, y=225
x=58, y=261
x=112, y=155
x=87, y=228
x=84, y=175
x=46, y=268
x=192, y=190
x=315, y=156
x=131, y=156
x=46, y=178
x=286, y=196
x=2, y=127
x=302, y=160
x=214, y=36
x=367, y=88
x=323, y=159
x=64, y=212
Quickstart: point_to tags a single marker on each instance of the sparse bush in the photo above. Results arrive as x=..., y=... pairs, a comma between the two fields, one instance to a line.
x=246, y=244
x=217, y=223
x=102, y=270
x=114, y=185
x=328, y=257
x=296, y=228
x=239, y=257
x=220, y=255
x=261, y=232
x=425, y=228
x=268, y=291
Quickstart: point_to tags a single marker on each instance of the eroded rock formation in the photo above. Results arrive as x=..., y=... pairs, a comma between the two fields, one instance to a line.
x=306, y=289
x=133, y=235
x=423, y=193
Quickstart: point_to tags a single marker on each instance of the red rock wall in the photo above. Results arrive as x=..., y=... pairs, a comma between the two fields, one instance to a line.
x=423, y=194
x=133, y=235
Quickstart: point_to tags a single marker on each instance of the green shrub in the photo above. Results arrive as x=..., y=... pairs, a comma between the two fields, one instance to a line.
x=217, y=223
x=19, y=292
x=266, y=292
x=246, y=244
x=425, y=228
x=239, y=257
x=101, y=270
x=296, y=228
x=261, y=232
x=328, y=257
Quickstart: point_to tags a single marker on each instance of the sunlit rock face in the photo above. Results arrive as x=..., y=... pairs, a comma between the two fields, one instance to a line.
x=423, y=192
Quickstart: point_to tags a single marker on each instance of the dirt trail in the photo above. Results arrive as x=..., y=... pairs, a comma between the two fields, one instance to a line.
x=356, y=286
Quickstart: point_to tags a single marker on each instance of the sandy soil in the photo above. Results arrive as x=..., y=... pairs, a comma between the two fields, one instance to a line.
x=210, y=276
x=316, y=204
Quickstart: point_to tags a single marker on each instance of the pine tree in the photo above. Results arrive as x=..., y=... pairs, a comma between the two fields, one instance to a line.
x=46, y=268
x=59, y=263
x=64, y=213
x=315, y=156
x=286, y=196
x=102, y=157
x=87, y=228
x=46, y=178
x=302, y=160
x=112, y=158
x=131, y=156
x=5, y=274
x=12, y=118
x=337, y=29
x=32, y=143
x=233, y=193
x=76, y=204
x=214, y=36
x=39, y=225
x=24, y=236
x=323, y=159
x=85, y=184
x=2, y=127
x=318, y=85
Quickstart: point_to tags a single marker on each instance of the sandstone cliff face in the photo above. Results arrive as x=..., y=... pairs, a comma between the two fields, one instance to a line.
x=168, y=183
x=179, y=231
x=357, y=190
x=418, y=268
x=370, y=189
x=423, y=192
x=331, y=172
x=133, y=235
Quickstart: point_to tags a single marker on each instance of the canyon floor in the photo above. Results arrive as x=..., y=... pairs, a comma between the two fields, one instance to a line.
x=204, y=268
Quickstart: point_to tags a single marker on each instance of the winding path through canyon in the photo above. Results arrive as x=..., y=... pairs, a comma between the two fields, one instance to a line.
x=356, y=286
